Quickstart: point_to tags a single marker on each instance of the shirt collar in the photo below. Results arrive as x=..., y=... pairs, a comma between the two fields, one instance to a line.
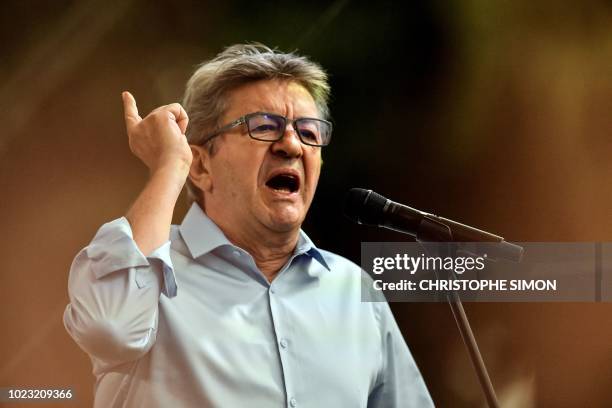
x=202, y=235
x=306, y=246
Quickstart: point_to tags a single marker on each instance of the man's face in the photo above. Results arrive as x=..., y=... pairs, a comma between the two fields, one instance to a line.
x=256, y=184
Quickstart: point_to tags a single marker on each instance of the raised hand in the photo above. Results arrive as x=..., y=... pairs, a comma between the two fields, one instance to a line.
x=158, y=139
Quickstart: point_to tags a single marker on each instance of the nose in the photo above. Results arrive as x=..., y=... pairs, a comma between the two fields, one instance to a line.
x=289, y=145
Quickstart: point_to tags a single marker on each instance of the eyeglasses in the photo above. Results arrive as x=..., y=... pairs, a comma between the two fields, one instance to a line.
x=269, y=127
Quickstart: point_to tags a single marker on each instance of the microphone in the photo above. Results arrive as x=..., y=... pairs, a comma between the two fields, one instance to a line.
x=369, y=208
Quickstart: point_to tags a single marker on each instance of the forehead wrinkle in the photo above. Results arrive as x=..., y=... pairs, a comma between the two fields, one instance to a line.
x=274, y=96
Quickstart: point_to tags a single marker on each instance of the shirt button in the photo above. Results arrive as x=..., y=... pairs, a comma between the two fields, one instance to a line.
x=284, y=343
x=272, y=291
x=293, y=402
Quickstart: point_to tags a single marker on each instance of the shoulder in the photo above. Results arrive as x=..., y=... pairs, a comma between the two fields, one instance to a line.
x=338, y=260
x=338, y=264
x=355, y=282
x=347, y=271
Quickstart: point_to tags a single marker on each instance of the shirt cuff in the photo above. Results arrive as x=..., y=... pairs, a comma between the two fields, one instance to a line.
x=113, y=248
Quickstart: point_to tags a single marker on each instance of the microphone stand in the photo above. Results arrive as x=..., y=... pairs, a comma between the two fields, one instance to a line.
x=431, y=230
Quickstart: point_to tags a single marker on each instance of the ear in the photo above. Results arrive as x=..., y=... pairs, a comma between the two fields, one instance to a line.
x=200, y=171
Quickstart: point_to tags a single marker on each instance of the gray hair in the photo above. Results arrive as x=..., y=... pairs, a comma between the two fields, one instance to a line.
x=205, y=99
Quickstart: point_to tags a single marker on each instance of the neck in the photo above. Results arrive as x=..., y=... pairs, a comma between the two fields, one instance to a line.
x=270, y=249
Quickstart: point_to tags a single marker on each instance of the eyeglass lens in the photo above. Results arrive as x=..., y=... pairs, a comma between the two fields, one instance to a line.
x=272, y=127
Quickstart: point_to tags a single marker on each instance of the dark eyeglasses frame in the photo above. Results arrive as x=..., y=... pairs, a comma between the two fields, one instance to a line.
x=245, y=120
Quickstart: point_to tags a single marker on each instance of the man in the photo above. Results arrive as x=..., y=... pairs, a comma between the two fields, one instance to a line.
x=236, y=306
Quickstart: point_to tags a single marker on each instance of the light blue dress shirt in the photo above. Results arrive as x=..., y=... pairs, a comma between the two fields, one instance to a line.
x=196, y=324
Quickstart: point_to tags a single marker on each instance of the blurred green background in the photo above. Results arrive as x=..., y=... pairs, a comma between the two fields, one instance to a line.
x=493, y=113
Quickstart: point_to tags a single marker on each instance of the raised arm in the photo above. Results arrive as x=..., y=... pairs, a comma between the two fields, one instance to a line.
x=159, y=141
x=116, y=281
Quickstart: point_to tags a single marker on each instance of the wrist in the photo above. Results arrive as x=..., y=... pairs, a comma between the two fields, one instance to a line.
x=176, y=167
x=175, y=173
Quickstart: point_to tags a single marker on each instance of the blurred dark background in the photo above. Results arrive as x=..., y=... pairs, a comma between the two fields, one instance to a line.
x=493, y=113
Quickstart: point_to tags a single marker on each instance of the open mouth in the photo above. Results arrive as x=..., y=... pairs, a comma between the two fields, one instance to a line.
x=284, y=182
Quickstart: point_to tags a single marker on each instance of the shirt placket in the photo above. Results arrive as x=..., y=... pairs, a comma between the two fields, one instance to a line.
x=284, y=342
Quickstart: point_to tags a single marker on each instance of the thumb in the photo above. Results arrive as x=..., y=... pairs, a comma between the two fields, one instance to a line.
x=130, y=110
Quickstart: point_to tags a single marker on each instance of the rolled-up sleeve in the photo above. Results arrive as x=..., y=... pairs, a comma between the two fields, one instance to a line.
x=114, y=293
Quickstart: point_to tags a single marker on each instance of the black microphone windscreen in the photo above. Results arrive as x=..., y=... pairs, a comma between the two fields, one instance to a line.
x=364, y=206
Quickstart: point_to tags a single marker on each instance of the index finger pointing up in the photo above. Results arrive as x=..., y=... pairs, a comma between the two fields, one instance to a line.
x=130, y=110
